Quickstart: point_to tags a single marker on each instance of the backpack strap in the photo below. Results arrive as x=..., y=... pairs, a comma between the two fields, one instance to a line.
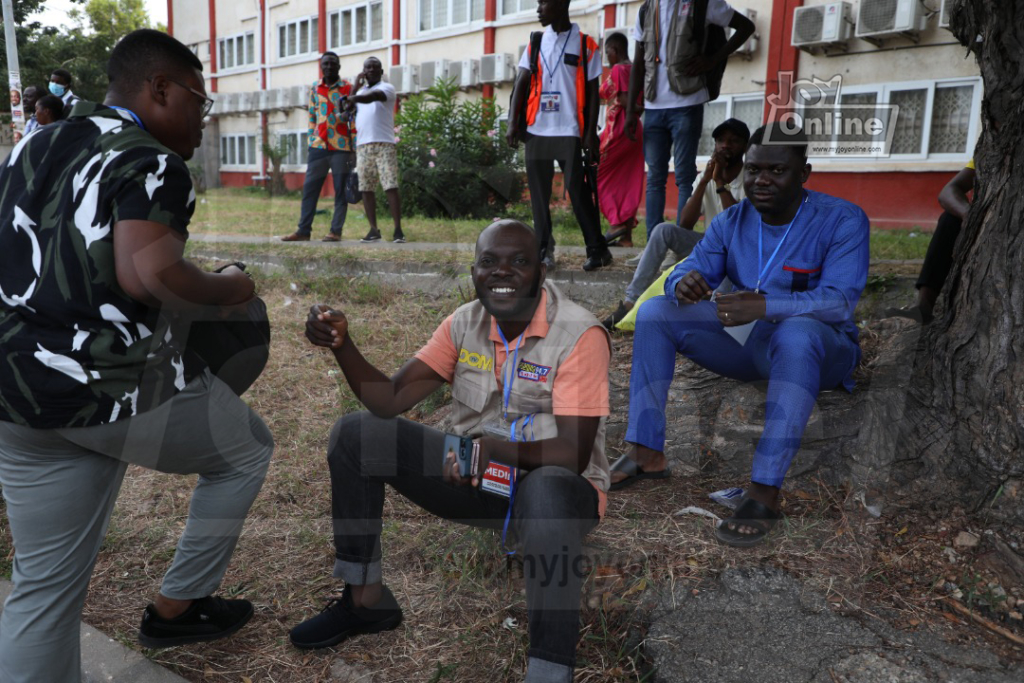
x=535, y=37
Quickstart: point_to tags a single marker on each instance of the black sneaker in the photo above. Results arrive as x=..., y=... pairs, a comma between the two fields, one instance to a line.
x=399, y=239
x=599, y=260
x=372, y=236
x=618, y=314
x=340, y=619
x=208, y=618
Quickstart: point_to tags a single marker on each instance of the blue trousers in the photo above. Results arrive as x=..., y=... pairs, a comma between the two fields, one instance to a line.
x=674, y=132
x=798, y=356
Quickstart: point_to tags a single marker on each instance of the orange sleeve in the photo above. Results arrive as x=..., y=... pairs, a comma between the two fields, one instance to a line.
x=581, y=383
x=440, y=352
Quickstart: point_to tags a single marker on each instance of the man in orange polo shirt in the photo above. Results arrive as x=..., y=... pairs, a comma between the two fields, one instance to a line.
x=551, y=400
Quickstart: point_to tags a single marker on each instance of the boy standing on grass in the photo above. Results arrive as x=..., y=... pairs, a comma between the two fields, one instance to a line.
x=376, y=155
x=557, y=90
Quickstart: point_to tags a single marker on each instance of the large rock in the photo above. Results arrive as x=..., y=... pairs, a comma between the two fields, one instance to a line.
x=763, y=626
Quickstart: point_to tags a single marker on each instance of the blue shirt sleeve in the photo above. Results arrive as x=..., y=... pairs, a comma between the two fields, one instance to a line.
x=844, y=273
x=707, y=258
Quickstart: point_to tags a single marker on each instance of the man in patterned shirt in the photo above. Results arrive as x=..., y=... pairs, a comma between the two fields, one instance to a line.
x=93, y=218
x=331, y=148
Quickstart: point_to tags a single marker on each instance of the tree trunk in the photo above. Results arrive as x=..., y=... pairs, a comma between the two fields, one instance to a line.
x=960, y=436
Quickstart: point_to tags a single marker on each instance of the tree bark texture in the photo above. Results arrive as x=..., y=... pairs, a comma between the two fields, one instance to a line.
x=962, y=428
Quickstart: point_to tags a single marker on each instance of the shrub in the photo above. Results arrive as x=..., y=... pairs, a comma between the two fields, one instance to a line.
x=453, y=158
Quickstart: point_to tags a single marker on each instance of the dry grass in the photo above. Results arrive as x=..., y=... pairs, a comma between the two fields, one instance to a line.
x=453, y=582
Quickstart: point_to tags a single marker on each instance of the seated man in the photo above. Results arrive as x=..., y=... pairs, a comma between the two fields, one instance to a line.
x=555, y=391
x=939, y=259
x=799, y=261
x=725, y=170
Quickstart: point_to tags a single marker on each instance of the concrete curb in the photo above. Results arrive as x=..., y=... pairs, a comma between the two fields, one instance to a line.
x=104, y=660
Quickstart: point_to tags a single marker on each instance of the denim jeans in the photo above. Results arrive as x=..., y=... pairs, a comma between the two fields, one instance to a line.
x=798, y=356
x=664, y=237
x=554, y=509
x=678, y=130
x=318, y=163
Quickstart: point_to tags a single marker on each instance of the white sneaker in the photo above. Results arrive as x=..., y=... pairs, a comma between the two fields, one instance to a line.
x=635, y=261
x=671, y=259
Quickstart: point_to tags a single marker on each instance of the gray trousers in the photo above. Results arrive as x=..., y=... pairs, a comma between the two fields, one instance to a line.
x=665, y=236
x=318, y=163
x=60, y=486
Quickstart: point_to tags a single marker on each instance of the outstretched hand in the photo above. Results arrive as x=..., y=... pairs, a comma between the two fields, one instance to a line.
x=326, y=327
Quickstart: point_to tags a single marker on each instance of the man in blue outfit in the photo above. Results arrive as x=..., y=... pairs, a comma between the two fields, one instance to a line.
x=799, y=261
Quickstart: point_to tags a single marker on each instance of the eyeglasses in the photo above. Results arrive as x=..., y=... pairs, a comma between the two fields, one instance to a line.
x=207, y=102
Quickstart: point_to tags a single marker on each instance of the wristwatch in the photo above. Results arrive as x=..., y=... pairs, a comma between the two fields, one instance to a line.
x=723, y=188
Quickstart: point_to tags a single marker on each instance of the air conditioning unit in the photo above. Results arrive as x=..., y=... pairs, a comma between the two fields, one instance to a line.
x=631, y=44
x=822, y=25
x=246, y=101
x=877, y=19
x=432, y=72
x=497, y=68
x=300, y=96
x=749, y=47
x=404, y=78
x=466, y=72
x=944, y=10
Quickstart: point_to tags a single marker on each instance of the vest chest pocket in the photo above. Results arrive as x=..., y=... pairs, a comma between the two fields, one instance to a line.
x=802, y=275
x=469, y=393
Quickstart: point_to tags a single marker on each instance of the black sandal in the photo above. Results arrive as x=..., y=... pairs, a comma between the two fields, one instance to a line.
x=750, y=513
x=634, y=473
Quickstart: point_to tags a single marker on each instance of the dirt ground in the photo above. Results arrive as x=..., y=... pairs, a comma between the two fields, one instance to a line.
x=931, y=568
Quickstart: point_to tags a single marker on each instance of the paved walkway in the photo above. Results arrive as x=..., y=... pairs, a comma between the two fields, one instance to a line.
x=104, y=660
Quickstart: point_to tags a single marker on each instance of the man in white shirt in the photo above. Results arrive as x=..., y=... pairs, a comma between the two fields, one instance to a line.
x=687, y=35
x=720, y=187
x=558, y=91
x=376, y=155
x=60, y=85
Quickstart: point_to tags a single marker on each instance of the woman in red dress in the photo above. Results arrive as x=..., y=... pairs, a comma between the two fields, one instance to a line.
x=620, y=175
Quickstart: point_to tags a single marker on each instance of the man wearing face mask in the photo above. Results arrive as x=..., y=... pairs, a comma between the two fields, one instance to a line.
x=96, y=376
x=523, y=361
x=60, y=85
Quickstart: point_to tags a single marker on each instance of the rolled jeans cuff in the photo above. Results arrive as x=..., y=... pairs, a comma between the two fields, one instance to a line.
x=358, y=573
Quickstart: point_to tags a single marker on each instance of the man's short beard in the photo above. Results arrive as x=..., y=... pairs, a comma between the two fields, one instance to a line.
x=522, y=305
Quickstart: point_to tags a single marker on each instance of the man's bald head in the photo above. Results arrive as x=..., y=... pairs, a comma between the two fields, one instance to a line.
x=512, y=227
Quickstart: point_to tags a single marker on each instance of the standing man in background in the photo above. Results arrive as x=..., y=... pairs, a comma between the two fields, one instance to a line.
x=29, y=98
x=688, y=36
x=558, y=87
x=377, y=156
x=330, y=149
x=60, y=85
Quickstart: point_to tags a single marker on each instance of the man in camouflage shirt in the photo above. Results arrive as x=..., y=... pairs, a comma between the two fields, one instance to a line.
x=93, y=218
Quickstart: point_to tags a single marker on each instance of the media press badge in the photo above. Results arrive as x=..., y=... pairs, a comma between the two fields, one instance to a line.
x=551, y=102
x=498, y=479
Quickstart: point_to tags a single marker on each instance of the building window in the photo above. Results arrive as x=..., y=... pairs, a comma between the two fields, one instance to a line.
x=936, y=120
x=238, y=150
x=509, y=7
x=296, y=38
x=296, y=143
x=747, y=108
x=236, y=51
x=356, y=25
x=438, y=14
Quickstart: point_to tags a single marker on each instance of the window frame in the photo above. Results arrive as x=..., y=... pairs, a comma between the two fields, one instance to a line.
x=883, y=92
x=243, y=38
x=450, y=24
x=520, y=12
x=235, y=142
x=336, y=15
x=730, y=101
x=312, y=38
x=301, y=150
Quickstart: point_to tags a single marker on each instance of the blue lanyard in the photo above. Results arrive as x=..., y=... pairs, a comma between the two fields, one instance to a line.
x=131, y=114
x=547, y=67
x=760, y=242
x=506, y=395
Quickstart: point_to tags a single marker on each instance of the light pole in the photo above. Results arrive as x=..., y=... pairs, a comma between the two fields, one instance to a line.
x=13, y=69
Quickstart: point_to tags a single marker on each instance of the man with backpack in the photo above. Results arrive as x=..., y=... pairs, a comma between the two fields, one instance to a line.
x=554, y=110
x=680, y=58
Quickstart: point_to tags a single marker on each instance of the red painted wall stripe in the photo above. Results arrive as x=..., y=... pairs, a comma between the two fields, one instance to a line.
x=170, y=17
x=213, y=44
x=490, y=12
x=396, y=31
x=321, y=26
x=782, y=56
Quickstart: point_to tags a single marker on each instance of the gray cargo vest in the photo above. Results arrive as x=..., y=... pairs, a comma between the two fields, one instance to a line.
x=681, y=48
x=476, y=395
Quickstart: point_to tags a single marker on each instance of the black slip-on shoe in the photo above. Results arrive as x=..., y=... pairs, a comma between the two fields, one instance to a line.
x=372, y=236
x=340, y=619
x=208, y=618
x=599, y=260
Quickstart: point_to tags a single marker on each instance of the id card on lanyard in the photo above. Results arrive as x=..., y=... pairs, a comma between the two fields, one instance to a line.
x=551, y=100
